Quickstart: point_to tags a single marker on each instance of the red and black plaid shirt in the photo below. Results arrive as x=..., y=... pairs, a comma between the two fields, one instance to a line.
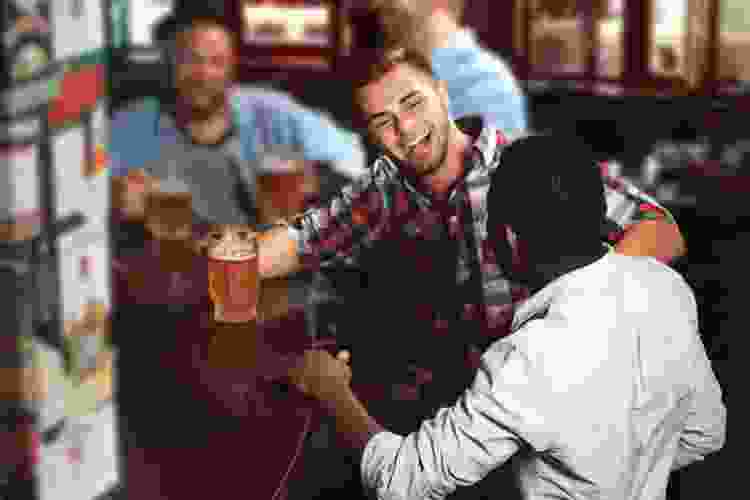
x=385, y=205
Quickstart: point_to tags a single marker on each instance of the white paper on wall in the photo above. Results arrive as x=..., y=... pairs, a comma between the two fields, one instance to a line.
x=68, y=153
x=78, y=27
x=55, y=472
x=95, y=442
x=57, y=385
x=143, y=15
x=19, y=185
x=75, y=289
x=82, y=463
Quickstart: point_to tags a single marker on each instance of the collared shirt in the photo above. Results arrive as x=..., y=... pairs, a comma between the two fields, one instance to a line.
x=604, y=387
x=386, y=205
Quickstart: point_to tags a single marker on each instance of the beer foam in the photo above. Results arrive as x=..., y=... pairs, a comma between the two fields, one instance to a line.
x=231, y=244
x=272, y=163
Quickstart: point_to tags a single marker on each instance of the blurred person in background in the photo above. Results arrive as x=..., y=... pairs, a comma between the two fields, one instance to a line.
x=212, y=132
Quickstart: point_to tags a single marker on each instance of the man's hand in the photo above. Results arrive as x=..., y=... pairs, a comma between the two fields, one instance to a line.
x=319, y=375
x=277, y=253
x=129, y=193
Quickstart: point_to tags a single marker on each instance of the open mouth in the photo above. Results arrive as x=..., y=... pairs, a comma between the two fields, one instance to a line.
x=424, y=140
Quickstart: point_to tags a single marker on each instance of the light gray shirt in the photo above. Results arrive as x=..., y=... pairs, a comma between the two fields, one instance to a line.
x=608, y=391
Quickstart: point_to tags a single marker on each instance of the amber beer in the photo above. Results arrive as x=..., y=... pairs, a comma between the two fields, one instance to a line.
x=169, y=216
x=233, y=280
x=169, y=210
x=283, y=185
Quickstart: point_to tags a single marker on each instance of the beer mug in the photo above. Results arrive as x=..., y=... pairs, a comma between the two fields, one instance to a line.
x=284, y=183
x=233, y=279
x=169, y=217
x=169, y=210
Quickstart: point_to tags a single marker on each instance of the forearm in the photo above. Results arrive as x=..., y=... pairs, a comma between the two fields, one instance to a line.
x=658, y=238
x=353, y=423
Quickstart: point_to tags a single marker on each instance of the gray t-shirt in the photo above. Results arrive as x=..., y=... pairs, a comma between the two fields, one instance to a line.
x=221, y=181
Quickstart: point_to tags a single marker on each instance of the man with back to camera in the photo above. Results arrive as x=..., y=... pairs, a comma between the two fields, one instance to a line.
x=603, y=387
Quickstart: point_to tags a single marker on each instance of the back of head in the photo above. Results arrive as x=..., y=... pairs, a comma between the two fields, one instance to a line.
x=548, y=189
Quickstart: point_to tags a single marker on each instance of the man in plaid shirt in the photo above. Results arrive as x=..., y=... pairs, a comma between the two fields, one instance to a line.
x=426, y=196
x=431, y=183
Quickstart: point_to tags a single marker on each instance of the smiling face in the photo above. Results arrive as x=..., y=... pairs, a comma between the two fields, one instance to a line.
x=406, y=113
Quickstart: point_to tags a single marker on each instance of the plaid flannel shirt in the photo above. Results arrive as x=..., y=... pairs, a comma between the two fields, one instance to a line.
x=385, y=202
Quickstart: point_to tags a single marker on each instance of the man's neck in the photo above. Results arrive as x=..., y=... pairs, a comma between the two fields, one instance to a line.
x=209, y=130
x=441, y=183
x=548, y=270
x=204, y=129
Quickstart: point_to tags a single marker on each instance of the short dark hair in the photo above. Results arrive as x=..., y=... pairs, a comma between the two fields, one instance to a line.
x=367, y=65
x=549, y=187
x=191, y=15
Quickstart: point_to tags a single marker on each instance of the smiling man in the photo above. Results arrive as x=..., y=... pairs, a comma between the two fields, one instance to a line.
x=431, y=183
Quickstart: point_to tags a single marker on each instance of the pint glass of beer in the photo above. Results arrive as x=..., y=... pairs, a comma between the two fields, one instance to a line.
x=169, y=209
x=169, y=218
x=284, y=183
x=233, y=280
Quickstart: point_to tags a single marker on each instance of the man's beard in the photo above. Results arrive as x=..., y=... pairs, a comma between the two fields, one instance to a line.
x=206, y=104
x=442, y=136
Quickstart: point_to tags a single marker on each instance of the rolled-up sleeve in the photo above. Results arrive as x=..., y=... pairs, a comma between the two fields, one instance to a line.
x=501, y=413
x=322, y=139
x=133, y=141
x=337, y=230
x=480, y=84
x=628, y=205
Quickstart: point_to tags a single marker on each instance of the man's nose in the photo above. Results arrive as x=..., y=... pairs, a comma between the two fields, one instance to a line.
x=407, y=125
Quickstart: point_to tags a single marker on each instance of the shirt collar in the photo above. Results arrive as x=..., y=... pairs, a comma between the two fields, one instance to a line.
x=554, y=290
x=486, y=144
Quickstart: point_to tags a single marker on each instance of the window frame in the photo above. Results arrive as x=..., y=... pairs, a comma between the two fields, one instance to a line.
x=637, y=76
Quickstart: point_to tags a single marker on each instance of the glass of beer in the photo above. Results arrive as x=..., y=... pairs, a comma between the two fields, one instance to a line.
x=169, y=217
x=233, y=279
x=284, y=183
